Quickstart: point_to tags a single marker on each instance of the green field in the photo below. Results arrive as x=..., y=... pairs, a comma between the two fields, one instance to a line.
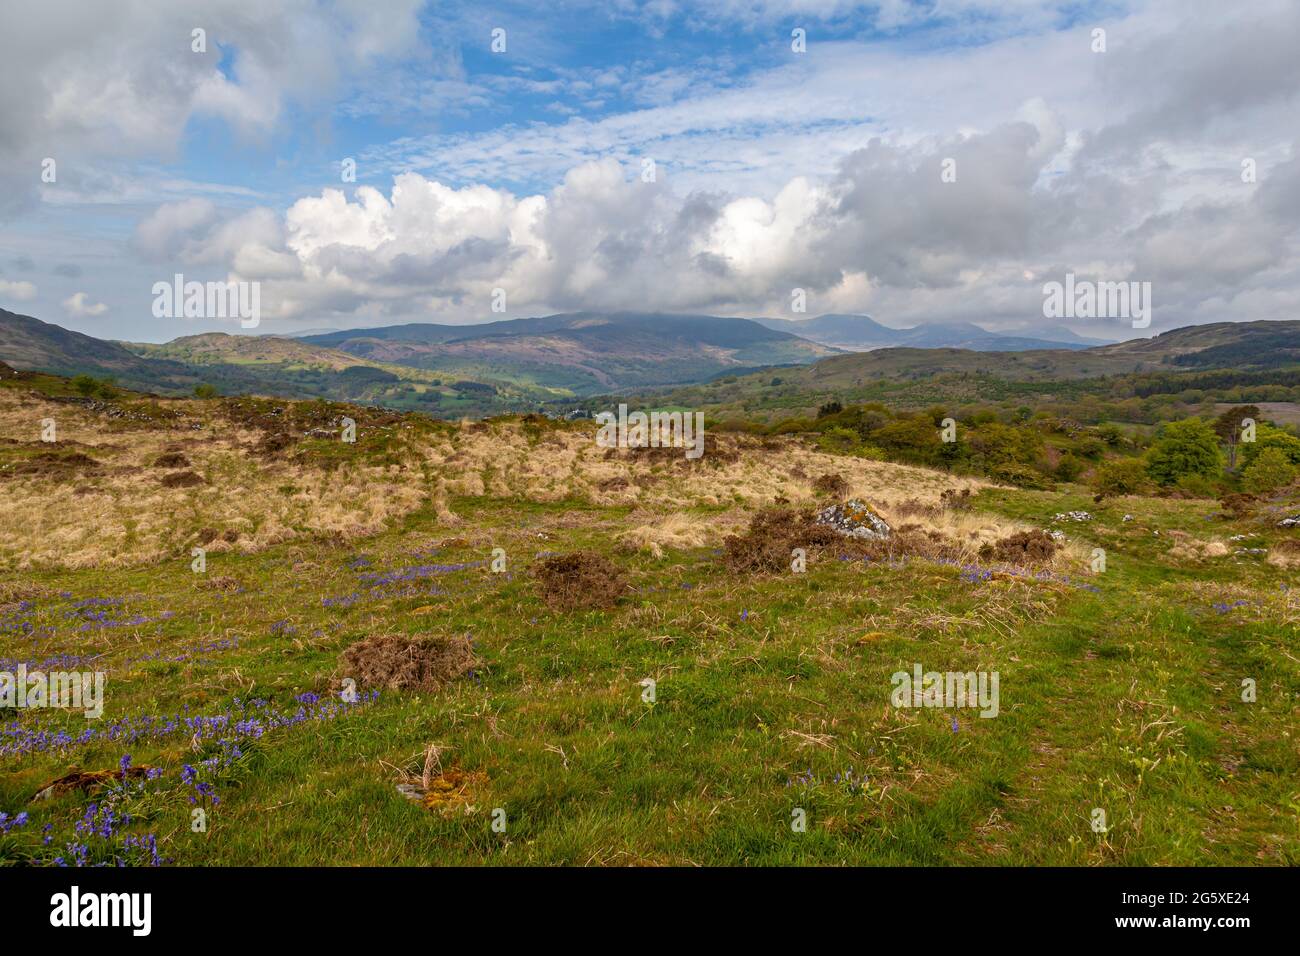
x=1119, y=691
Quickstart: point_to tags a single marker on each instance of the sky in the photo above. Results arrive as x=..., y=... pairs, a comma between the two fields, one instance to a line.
x=930, y=161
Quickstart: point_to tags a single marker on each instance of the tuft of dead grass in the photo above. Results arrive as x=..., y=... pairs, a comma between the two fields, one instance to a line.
x=1285, y=554
x=398, y=662
x=677, y=531
x=1024, y=547
x=833, y=484
x=182, y=479
x=582, y=579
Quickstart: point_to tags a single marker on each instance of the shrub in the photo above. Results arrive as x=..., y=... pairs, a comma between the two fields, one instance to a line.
x=1123, y=476
x=1270, y=470
x=1185, y=448
x=839, y=441
x=1237, y=506
x=398, y=662
x=1069, y=468
x=833, y=484
x=1266, y=437
x=772, y=536
x=1196, y=486
x=1023, y=547
x=1022, y=476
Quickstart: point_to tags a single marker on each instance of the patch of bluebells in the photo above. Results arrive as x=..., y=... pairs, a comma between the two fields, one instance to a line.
x=848, y=779
x=245, y=719
x=376, y=593
x=193, y=652
x=978, y=574
x=1224, y=608
x=100, y=838
x=417, y=572
x=100, y=620
x=57, y=662
x=17, y=621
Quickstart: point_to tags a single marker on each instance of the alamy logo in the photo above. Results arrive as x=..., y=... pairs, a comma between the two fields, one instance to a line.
x=103, y=909
x=655, y=430
x=208, y=300
x=947, y=689
x=1085, y=299
x=69, y=690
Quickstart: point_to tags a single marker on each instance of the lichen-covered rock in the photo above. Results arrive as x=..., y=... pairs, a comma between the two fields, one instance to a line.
x=855, y=519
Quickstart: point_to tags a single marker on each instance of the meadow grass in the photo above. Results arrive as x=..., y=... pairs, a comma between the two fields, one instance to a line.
x=1119, y=691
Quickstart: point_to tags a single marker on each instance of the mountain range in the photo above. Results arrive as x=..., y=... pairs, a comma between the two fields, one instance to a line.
x=522, y=364
x=583, y=352
x=861, y=332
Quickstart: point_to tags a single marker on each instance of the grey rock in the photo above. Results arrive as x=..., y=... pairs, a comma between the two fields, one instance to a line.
x=855, y=519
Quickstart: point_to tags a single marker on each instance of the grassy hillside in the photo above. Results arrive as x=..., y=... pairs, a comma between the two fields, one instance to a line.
x=583, y=353
x=30, y=344
x=1121, y=689
x=862, y=332
x=294, y=368
x=1177, y=373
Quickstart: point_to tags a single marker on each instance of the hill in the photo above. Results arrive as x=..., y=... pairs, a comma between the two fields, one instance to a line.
x=258, y=365
x=863, y=332
x=1219, y=358
x=584, y=352
x=29, y=344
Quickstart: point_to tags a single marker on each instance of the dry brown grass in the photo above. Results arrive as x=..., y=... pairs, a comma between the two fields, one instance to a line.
x=398, y=662
x=1193, y=550
x=1023, y=547
x=667, y=531
x=582, y=579
x=1285, y=554
x=114, y=506
x=120, y=511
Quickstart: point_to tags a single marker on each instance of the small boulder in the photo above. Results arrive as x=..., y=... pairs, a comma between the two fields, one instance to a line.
x=855, y=519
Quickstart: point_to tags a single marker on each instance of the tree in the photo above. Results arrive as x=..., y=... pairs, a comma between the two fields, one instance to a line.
x=1266, y=437
x=205, y=390
x=1189, y=447
x=1228, y=427
x=1270, y=470
x=85, y=384
x=912, y=438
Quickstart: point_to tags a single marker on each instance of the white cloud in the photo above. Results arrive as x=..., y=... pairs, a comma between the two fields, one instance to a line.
x=818, y=171
x=87, y=83
x=21, y=291
x=78, y=306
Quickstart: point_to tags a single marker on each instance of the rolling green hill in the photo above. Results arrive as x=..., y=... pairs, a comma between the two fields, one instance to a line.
x=1215, y=358
x=584, y=352
x=29, y=344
